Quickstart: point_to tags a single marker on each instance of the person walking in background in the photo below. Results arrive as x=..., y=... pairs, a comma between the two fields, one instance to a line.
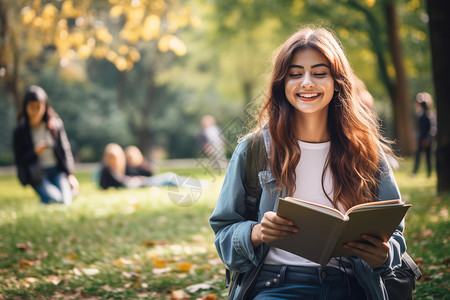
x=212, y=143
x=427, y=129
x=136, y=164
x=323, y=145
x=42, y=150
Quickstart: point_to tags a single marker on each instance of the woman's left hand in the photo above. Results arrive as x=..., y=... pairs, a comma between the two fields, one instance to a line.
x=374, y=253
x=73, y=184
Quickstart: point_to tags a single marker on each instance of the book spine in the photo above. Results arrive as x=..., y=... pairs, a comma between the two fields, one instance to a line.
x=336, y=234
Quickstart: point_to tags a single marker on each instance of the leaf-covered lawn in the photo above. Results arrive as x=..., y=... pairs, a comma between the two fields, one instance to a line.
x=133, y=244
x=115, y=244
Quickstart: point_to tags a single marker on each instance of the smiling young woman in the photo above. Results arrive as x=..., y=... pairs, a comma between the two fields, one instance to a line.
x=324, y=146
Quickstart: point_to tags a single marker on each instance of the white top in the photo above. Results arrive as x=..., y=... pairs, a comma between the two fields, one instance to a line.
x=39, y=134
x=308, y=187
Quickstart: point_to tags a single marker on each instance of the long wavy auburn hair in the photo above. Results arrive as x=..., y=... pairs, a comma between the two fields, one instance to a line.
x=356, y=145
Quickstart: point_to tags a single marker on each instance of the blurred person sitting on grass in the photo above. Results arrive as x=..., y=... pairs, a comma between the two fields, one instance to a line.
x=113, y=174
x=42, y=150
x=136, y=164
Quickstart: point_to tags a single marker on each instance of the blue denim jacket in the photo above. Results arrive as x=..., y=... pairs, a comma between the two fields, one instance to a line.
x=232, y=231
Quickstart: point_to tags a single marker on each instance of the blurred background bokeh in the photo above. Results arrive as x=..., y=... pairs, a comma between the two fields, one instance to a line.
x=144, y=72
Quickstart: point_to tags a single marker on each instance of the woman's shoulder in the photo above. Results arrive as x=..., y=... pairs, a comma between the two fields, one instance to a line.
x=55, y=123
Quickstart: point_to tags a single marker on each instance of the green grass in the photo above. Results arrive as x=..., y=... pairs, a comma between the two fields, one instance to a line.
x=132, y=244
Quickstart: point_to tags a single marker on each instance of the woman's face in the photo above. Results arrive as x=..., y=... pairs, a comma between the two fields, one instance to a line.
x=309, y=85
x=35, y=112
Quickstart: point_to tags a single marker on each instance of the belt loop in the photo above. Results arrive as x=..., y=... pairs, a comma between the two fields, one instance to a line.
x=282, y=275
x=322, y=274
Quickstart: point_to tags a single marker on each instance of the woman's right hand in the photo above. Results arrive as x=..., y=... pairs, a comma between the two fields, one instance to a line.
x=271, y=228
x=40, y=147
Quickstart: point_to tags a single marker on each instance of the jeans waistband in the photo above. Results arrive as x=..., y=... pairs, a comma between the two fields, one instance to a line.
x=321, y=272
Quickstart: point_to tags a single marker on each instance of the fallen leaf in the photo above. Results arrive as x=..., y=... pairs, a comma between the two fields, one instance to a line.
x=159, y=263
x=26, y=262
x=24, y=247
x=209, y=297
x=443, y=212
x=91, y=271
x=158, y=271
x=77, y=272
x=184, y=267
x=446, y=260
x=71, y=256
x=122, y=262
x=31, y=279
x=200, y=286
x=151, y=243
x=179, y=295
x=107, y=288
x=53, y=279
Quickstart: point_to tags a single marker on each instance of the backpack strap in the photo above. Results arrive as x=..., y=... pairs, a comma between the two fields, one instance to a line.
x=412, y=265
x=255, y=161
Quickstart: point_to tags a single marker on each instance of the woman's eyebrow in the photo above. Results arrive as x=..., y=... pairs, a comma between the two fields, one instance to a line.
x=312, y=67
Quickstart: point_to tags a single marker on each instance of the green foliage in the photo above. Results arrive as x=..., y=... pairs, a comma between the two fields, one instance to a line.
x=91, y=115
x=161, y=100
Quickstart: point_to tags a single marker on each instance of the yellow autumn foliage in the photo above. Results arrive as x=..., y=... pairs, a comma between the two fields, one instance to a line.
x=28, y=15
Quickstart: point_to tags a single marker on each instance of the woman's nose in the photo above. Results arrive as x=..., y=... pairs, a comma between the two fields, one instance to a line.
x=307, y=82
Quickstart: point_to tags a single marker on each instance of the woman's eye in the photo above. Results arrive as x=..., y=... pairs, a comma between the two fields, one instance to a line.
x=320, y=74
x=295, y=75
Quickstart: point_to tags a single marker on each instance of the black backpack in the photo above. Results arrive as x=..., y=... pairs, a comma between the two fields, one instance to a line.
x=399, y=283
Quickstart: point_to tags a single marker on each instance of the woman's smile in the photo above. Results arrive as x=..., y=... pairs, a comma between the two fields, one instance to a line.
x=308, y=96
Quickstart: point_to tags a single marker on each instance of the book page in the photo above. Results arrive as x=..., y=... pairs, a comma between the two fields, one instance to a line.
x=375, y=204
x=318, y=207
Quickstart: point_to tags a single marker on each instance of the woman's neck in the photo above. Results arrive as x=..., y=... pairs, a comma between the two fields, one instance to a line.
x=35, y=124
x=311, y=129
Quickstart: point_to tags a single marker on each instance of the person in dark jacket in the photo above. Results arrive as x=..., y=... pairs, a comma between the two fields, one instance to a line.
x=426, y=131
x=42, y=151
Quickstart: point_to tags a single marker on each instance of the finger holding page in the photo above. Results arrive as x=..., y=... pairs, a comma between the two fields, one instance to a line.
x=374, y=252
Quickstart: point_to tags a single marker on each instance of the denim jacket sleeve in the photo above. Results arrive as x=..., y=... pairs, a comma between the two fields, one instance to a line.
x=232, y=231
x=369, y=278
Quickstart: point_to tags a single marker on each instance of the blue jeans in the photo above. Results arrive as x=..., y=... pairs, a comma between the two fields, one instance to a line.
x=54, y=188
x=292, y=282
x=172, y=179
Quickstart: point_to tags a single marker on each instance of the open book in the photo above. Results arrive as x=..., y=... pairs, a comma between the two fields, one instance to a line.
x=323, y=230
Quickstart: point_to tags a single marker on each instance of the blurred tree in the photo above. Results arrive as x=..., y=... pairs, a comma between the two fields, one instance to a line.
x=439, y=12
x=79, y=30
x=396, y=85
x=372, y=34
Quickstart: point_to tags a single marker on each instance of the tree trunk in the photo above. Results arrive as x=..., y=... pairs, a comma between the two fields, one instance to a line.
x=396, y=87
x=439, y=12
x=9, y=54
x=403, y=122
